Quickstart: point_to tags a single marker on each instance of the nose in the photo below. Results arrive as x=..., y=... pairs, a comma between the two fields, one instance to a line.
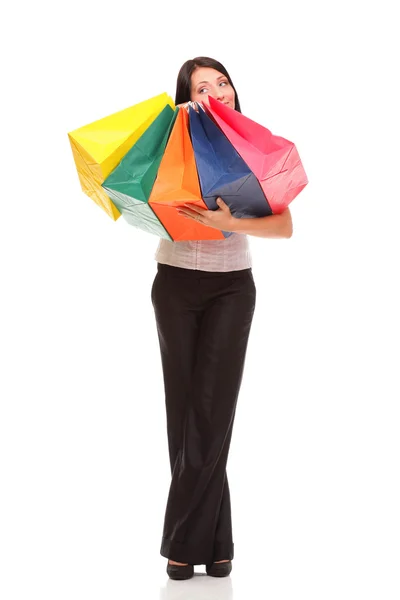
x=218, y=93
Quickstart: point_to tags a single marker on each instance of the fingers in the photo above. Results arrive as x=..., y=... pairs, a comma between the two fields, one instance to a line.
x=186, y=105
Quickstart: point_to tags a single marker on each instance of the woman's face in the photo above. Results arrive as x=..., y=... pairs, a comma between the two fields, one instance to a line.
x=209, y=82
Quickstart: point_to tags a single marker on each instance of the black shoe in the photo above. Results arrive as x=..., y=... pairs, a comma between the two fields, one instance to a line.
x=180, y=571
x=219, y=569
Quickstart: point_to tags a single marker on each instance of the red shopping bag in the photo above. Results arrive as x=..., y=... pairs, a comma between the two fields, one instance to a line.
x=273, y=159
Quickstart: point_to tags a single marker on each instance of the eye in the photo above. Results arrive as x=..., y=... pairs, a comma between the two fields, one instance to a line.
x=224, y=82
x=200, y=91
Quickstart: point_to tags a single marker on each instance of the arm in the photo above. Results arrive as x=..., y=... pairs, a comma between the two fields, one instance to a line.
x=273, y=226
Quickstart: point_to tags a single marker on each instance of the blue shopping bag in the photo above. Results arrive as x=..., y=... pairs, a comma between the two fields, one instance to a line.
x=223, y=172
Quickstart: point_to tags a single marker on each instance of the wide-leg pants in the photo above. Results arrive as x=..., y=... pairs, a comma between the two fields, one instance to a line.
x=203, y=322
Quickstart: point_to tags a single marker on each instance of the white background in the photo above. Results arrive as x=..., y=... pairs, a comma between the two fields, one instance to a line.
x=314, y=460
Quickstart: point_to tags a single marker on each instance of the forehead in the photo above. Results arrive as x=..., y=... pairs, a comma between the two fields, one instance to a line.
x=205, y=74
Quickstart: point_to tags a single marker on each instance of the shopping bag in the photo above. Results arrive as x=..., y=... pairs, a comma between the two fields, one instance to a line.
x=129, y=185
x=274, y=160
x=222, y=171
x=177, y=183
x=99, y=147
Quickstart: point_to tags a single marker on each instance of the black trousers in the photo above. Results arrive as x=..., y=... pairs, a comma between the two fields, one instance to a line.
x=203, y=322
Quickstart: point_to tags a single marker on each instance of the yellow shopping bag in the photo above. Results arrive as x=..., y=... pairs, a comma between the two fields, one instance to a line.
x=100, y=146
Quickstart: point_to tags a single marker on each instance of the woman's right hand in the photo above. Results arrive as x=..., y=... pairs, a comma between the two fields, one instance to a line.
x=187, y=104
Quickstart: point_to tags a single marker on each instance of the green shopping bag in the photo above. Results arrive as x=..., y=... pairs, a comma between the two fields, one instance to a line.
x=129, y=185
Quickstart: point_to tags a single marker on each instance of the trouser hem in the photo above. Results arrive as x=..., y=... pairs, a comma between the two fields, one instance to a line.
x=195, y=554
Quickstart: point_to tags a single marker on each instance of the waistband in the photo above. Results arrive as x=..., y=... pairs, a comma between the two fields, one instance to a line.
x=197, y=273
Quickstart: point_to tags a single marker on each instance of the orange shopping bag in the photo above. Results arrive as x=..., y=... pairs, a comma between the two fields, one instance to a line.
x=177, y=183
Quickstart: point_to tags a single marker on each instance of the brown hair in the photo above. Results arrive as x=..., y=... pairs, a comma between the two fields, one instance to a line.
x=183, y=84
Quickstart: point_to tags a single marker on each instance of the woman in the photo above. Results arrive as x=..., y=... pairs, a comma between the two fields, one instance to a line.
x=204, y=298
